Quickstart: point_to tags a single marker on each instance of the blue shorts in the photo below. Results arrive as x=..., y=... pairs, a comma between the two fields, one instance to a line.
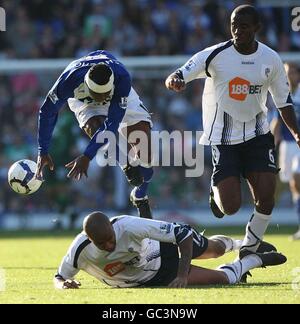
x=255, y=155
x=170, y=260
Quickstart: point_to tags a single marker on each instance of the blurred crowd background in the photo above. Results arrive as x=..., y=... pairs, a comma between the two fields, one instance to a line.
x=73, y=28
x=70, y=29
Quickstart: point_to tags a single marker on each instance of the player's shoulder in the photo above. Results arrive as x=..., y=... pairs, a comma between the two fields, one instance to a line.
x=119, y=69
x=127, y=223
x=208, y=54
x=269, y=52
x=78, y=244
x=217, y=48
x=122, y=220
x=222, y=45
x=73, y=73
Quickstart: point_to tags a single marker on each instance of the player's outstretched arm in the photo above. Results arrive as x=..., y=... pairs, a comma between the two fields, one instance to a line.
x=79, y=167
x=186, y=251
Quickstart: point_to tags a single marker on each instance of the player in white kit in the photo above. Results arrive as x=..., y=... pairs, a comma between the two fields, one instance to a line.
x=239, y=73
x=127, y=251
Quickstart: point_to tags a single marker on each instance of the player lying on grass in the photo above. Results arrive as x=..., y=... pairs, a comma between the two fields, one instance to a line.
x=127, y=251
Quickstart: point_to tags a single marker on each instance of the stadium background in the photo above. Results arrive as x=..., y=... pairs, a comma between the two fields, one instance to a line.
x=142, y=29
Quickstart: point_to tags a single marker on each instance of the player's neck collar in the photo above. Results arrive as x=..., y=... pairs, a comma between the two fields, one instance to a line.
x=255, y=53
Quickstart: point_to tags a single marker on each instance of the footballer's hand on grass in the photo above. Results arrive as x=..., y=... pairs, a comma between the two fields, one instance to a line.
x=42, y=161
x=179, y=282
x=79, y=167
x=61, y=283
x=175, y=83
x=71, y=284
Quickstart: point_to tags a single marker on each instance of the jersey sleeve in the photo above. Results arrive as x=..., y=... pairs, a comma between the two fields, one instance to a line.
x=158, y=230
x=69, y=266
x=196, y=66
x=279, y=86
x=116, y=112
x=66, y=270
x=48, y=113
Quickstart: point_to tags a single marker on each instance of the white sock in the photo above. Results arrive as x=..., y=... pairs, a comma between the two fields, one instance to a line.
x=229, y=243
x=255, y=230
x=235, y=270
x=217, y=198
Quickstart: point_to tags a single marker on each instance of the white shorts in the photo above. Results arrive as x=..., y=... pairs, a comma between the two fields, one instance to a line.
x=289, y=160
x=135, y=111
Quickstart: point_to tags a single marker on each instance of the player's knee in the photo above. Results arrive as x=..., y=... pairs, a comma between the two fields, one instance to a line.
x=215, y=249
x=231, y=206
x=93, y=124
x=265, y=206
x=218, y=249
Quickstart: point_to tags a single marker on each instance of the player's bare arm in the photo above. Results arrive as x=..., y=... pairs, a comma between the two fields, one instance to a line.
x=42, y=161
x=93, y=124
x=79, y=167
x=186, y=251
x=289, y=118
x=174, y=82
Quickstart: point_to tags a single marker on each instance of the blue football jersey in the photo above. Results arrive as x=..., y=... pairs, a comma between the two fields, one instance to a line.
x=69, y=85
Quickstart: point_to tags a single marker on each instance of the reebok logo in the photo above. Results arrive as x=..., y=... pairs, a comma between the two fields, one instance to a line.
x=239, y=89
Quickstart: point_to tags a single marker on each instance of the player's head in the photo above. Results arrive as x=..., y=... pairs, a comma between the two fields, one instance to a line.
x=100, y=81
x=293, y=74
x=245, y=23
x=100, y=231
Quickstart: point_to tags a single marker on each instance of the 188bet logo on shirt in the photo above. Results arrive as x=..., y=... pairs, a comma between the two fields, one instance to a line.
x=239, y=89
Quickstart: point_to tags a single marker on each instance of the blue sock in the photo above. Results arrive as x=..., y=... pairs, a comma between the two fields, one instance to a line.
x=298, y=210
x=142, y=189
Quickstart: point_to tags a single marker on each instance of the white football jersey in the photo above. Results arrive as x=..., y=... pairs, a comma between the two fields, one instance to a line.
x=235, y=92
x=136, y=258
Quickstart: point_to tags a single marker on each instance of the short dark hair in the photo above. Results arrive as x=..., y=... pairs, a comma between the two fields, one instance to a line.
x=100, y=73
x=248, y=10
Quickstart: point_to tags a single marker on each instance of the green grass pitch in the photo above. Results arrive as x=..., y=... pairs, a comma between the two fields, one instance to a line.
x=30, y=260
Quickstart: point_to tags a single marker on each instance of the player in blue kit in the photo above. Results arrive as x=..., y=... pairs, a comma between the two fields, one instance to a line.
x=99, y=91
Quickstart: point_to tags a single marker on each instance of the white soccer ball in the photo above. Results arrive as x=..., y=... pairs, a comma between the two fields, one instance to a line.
x=21, y=177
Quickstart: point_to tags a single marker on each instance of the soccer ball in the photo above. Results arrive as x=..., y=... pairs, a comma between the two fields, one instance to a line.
x=21, y=177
